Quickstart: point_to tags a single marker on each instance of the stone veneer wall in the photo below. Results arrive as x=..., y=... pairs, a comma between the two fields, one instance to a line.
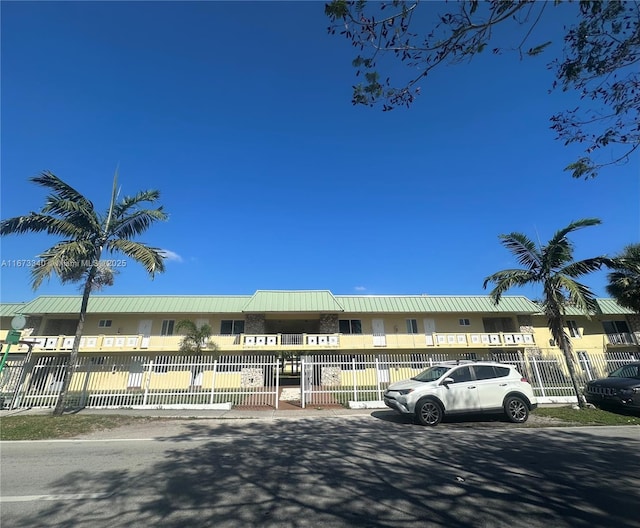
x=634, y=325
x=329, y=324
x=33, y=326
x=254, y=324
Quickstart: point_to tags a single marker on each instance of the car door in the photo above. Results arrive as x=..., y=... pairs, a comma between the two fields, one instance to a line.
x=462, y=394
x=492, y=385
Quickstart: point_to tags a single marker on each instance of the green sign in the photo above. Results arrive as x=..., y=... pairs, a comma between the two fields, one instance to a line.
x=13, y=336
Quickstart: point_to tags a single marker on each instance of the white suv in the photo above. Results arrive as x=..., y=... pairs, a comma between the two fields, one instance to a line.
x=463, y=387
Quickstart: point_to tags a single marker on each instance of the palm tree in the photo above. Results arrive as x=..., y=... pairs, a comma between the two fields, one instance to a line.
x=624, y=281
x=194, y=341
x=86, y=235
x=552, y=266
x=196, y=338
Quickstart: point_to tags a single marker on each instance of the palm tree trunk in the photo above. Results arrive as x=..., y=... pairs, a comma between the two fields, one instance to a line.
x=73, y=357
x=565, y=346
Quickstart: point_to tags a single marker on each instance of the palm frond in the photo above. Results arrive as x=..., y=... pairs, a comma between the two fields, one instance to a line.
x=130, y=202
x=50, y=181
x=579, y=296
x=584, y=267
x=136, y=223
x=195, y=338
x=151, y=258
x=561, y=234
x=506, y=279
x=628, y=260
x=558, y=252
x=556, y=256
x=624, y=287
x=187, y=325
x=523, y=248
x=39, y=223
x=72, y=211
x=68, y=259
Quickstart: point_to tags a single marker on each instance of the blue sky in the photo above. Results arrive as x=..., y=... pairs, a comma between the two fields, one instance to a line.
x=240, y=114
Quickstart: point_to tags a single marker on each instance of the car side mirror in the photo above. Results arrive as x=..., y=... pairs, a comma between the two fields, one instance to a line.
x=446, y=381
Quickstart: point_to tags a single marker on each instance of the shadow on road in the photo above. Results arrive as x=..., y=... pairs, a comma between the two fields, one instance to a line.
x=386, y=473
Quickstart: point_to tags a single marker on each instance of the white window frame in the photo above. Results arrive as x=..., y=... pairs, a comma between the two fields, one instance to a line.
x=464, y=322
x=353, y=324
x=105, y=323
x=168, y=326
x=412, y=326
x=235, y=324
x=574, y=329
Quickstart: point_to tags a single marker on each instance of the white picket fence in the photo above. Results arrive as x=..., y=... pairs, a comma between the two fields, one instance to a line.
x=148, y=382
x=208, y=382
x=358, y=379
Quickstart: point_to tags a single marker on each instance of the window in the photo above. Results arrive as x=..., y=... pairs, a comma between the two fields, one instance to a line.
x=412, y=326
x=484, y=372
x=461, y=374
x=350, y=326
x=489, y=372
x=615, y=327
x=104, y=323
x=231, y=327
x=498, y=324
x=464, y=322
x=167, y=327
x=617, y=332
x=574, y=331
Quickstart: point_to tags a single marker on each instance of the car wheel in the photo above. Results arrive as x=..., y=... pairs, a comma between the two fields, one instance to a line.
x=516, y=409
x=429, y=412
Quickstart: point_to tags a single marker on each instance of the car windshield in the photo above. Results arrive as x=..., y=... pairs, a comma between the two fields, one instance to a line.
x=432, y=374
x=626, y=371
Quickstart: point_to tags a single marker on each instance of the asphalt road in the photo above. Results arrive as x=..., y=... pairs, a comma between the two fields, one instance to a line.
x=374, y=471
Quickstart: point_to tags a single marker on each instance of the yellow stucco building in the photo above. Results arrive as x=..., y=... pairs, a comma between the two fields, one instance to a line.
x=131, y=344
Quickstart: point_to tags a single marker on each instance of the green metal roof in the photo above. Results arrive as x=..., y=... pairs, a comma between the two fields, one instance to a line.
x=11, y=309
x=293, y=301
x=605, y=307
x=434, y=304
x=611, y=307
x=269, y=301
x=142, y=304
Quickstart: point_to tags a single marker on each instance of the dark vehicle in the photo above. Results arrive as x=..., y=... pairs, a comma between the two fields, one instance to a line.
x=620, y=389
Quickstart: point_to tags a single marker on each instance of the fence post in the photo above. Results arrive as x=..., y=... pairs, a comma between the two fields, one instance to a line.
x=146, y=385
x=21, y=387
x=355, y=378
x=277, y=381
x=213, y=380
x=586, y=367
x=540, y=382
x=303, y=368
x=84, y=396
x=378, y=378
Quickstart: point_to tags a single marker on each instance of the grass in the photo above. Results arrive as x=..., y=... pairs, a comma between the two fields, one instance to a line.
x=46, y=427
x=588, y=416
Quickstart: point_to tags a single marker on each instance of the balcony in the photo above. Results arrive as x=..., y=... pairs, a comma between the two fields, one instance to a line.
x=622, y=339
x=283, y=342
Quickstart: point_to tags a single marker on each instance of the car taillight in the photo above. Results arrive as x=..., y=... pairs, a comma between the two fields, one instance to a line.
x=524, y=380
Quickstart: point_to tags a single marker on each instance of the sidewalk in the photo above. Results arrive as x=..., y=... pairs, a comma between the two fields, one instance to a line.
x=232, y=414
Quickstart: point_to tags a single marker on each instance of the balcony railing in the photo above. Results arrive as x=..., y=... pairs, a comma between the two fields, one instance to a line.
x=294, y=342
x=622, y=339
